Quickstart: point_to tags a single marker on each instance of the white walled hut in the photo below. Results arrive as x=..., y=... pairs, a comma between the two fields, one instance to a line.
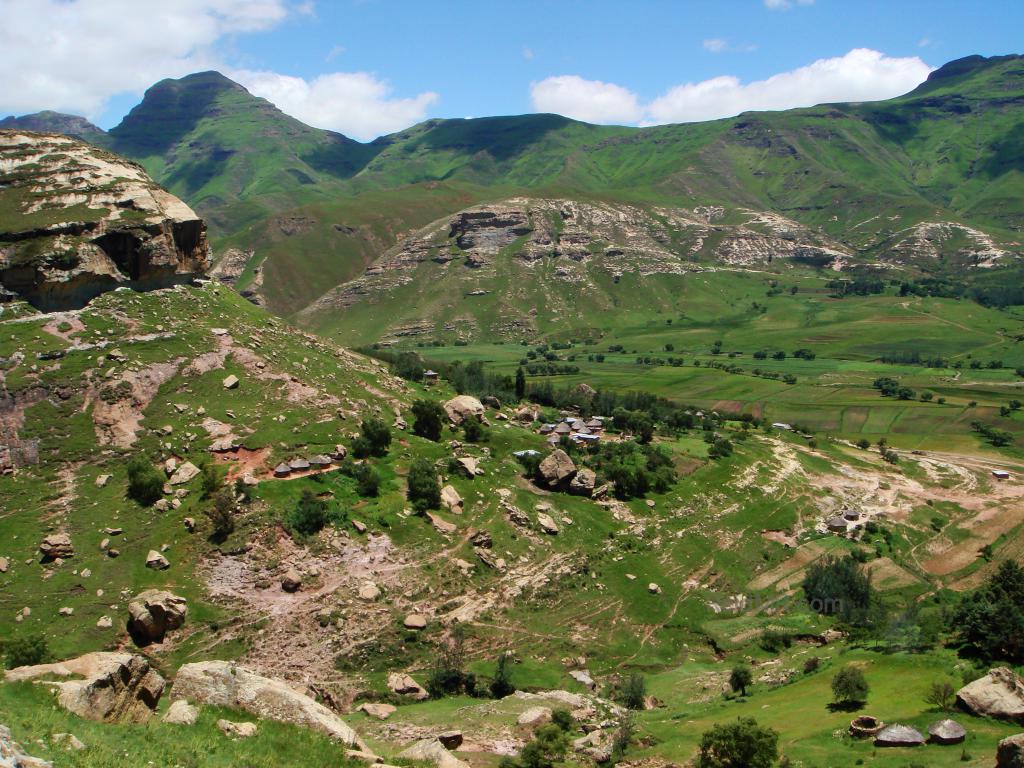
x=946, y=732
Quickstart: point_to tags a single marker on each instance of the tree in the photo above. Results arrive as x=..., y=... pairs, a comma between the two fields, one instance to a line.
x=849, y=686
x=145, y=483
x=838, y=586
x=428, y=419
x=990, y=621
x=423, y=492
x=222, y=514
x=475, y=432
x=941, y=695
x=741, y=744
x=521, y=383
x=448, y=676
x=309, y=516
x=26, y=651
x=633, y=691
x=367, y=480
x=740, y=678
x=209, y=480
x=374, y=440
x=549, y=745
x=501, y=685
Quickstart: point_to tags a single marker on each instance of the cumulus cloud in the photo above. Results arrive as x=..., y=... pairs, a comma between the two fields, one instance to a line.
x=73, y=55
x=357, y=104
x=588, y=100
x=860, y=75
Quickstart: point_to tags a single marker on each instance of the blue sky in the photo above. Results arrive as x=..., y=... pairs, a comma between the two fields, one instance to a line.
x=369, y=66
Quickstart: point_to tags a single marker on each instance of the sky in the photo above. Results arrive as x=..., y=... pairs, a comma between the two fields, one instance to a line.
x=371, y=67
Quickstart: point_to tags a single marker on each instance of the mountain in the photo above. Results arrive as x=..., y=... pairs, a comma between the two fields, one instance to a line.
x=52, y=122
x=76, y=221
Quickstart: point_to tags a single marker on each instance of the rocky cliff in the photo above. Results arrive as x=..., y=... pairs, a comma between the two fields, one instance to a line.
x=76, y=221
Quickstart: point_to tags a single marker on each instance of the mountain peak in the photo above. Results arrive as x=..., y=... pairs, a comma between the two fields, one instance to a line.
x=48, y=121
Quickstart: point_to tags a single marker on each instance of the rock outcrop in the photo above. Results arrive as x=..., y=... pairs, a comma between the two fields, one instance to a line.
x=13, y=756
x=999, y=694
x=154, y=613
x=1010, y=752
x=82, y=221
x=108, y=687
x=434, y=752
x=463, y=407
x=557, y=470
x=224, y=684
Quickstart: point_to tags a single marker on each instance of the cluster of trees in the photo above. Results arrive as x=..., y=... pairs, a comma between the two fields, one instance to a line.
x=858, y=285
x=839, y=586
x=994, y=435
x=913, y=358
x=551, y=369
x=990, y=621
x=890, y=387
x=634, y=470
x=374, y=439
x=448, y=675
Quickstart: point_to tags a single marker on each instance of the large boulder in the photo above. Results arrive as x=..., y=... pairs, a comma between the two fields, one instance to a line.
x=224, y=684
x=464, y=407
x=434, y=752
x=557, y=469
x=583, y=483
x=56, y=545
x=181, y=713
x=404, y=685
x=154, y=613
x=1010, y=752
x=999, y=694
x=451, y=499
x=108, y=687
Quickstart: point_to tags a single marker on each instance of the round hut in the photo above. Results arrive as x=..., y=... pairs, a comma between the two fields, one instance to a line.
x=865, y=726
x=946, y=732
x=899, y=736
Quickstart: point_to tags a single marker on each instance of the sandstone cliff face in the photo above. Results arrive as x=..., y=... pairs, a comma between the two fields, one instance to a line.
x=76, y=221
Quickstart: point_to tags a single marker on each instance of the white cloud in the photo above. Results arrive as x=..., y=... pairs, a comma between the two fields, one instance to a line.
x=528, y=53
x=357, y=104
x=860, y=75
x=588, y=100
x=715, y=45
x=73, y=55
x=785, y=5
x=334, y=53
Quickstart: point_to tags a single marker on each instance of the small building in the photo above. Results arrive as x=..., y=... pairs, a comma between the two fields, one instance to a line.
x=553, y=439
x=430, y=377
x=1000, y=474
x=298, y=465
x=837, y=525
x=783, y=425
x=547, y=429
x=580, y=428
x=563, y=429
x=282, y=470
x=899, y=736
x=320, y=461
x=852, y=515
x=595, y=425
x=527, y=452
x=587, y=438
x=946, y=732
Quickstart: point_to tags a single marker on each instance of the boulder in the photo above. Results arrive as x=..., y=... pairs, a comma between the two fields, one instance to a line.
x=464, y=407
x=12, y=755
x=153, y=613
x=999, y=694
x=556, y=470
x=432, y=751
x=68, y=741
x=467, y=466
x=369, y=591
x=109, y=687
x=5, y=564
x=583, y=677
x=415, y=621
x=547, y=524
x=440, y=524
x=583, y=483
x=451, y=499
x=184, y=474
x=450, y=739
x=404, y=685
x=181, y=713
x=236, y=730
x=224, y=684
x=535, y=716
x=231, y=382
x=377, y=709
x=57, y=545
x=1010, y=752
x=154, y=560
x=291, y=581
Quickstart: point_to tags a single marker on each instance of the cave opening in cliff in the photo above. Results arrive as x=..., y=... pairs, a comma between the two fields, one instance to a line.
x=123, y=248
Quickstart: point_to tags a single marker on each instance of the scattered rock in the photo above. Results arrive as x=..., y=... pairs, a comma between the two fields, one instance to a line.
x=467, y=466
x=557, y=469
x=535, y=716
x=12, y=755
x=999, y=694
x=113, y=552
x=369, y=591
x=231, y=382
x=65, y=611
x=440, y=524
x=377, y=709
x=57, y=545
x=111, y=687
x=236, y=730
x=583, y=677
x=464, y=407
x=1010, y=752
x=104, y=622
x=360, y=527
x=102, y=480
x=4, y=565
x=547, y=524
x=291, y=581
x=404, y=685
x=415, y=621
x=653, y=588
x=68, y=741
x=583, y=482
x=184, y=474
x=224, y=684
x=451, y=499
x=154, y=613
x=432, y=751
x=154, y=560
x=450, y=739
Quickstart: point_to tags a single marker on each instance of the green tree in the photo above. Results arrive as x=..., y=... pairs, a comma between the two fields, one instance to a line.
x=475, y=431
x=145, y=482
x=501, y=684
x=633, y=691
x=210, y=480
x=309, y=516
x=367, y=480
x=424, y=492
x=374, y=439
x=428, y=419
x=838, y=586
x=990, y=621
x=849, y=686
x=549, y=745
x=448, y=675
x=520, y=383
x=741, y=744
x=25, y=651
x=221, y=513
x=740, y=678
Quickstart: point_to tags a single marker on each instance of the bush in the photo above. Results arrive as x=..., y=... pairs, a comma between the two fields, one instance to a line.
x=209, y=480
x=849, y=686
x=428, y=419
x=812, y=665
x=475, y=432
x=501, y=685
x=563, y=719
x=423, y=492
x=742, y=743
x=774, y=641
x=941, y=695
x=222, y=514
x=549, y=745
x=632, y=692
x=26, y=651
x=374, y=440
x=367, y=480
x=740, y=679
x=309, y=516
x=145, y=482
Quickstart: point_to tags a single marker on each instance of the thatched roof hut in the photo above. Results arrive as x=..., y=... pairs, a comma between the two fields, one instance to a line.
x=320, y=461
x=899, y=736
x=837, y=524
x=946, y=732
x=298, y=465
x=282, y=470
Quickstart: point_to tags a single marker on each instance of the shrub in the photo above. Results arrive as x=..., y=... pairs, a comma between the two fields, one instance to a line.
x=25, y=651
x=423, y=492
x=475, y=432
x=428, y=419
x=501, y=685
x=563, y=719
x=742, y=743
x=740, y=679
x=145, y=482
x=774, y=641
x=374, y=440
x=632, y=692
x=209, y=480
x=812, y=665
x=309, y=516
x=222, y=514
x=941, y=695
x=849, y=686
x=367, y=480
